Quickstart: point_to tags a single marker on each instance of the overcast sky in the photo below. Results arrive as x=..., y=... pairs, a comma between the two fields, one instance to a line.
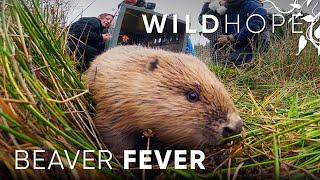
x=180, y=7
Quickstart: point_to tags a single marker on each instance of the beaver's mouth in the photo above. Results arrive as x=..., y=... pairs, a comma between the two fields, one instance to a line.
x=213, y=138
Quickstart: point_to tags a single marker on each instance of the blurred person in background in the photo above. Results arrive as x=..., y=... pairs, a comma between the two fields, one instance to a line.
x=243, y=42
x=86, y=38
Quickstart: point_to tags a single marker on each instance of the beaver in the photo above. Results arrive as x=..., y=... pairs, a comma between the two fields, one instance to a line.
x=173, y=94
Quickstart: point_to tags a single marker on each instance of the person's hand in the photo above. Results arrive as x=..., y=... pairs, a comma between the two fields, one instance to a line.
x=214, y=5
x=106, y=37
x=125, y=38
x=222, y=2
x=224, y=39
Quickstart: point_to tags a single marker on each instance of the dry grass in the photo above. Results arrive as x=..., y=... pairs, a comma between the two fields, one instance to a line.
x=278, y=97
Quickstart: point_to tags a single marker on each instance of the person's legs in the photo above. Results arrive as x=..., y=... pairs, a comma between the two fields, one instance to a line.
x=89, y=54
x=239, y=57
x=84, y=54
x=262, y=43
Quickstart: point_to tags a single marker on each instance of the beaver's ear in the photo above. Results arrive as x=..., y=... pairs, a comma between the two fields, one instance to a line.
x=152, y=65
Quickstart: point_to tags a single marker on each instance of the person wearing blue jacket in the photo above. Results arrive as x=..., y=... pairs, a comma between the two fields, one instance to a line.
x=189, y=47
x=244, y=42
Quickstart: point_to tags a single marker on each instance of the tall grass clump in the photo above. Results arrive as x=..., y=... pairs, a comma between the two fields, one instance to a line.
x=43, y=103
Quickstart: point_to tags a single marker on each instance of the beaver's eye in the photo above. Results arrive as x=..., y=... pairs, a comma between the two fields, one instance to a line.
x=193, y=96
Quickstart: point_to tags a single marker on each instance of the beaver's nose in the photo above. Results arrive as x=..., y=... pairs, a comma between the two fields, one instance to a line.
x=233, y=127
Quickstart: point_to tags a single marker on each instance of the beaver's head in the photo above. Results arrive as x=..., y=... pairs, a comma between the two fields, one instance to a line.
x=182, y=101
x=175, y=95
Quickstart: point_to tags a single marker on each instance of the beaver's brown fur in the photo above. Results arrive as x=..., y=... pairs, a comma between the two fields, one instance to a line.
x=136, y=88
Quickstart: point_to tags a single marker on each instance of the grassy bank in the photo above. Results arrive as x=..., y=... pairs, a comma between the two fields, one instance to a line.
x=44, y=104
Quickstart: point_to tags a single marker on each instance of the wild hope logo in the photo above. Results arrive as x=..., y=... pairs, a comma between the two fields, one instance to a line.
x=312, y=33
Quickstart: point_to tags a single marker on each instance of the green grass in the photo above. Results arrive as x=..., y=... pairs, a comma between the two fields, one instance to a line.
x=44, y=104
x=43, y=101
x=278, y=97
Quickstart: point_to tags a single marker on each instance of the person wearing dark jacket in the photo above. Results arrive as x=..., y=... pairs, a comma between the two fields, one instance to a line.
x=86, y=38
x=242, y=40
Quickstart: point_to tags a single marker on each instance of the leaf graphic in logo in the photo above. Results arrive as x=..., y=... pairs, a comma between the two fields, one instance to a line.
x=302, y=43
x=317, y=33
x=296, y=6
x=309, y=18
x=308, y=2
